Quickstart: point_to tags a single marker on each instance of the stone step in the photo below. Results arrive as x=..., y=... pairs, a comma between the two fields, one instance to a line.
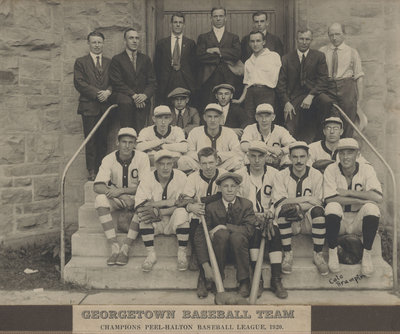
x=95, y=244
x=92, y=272
x=90, y=195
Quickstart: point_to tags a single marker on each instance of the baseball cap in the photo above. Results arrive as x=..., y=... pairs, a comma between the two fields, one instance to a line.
x=298, y=144
x=259, y=146
x=163, y=154
x=224, y=85
x=348, y=143
x=229, y=175
x=179, y=91
x=213, y=106
x=162, y=110
x=127, y=132
x=265, y=107
x=332, y=120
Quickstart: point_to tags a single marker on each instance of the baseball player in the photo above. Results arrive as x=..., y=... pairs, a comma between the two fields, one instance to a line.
x=155, y=209
x=220, y=138
x=297, y=197
x=116, y=183
x=323, y=152
x=162, y=135
x=257, y=187
x=352, y=192
x=200, y=184
x=276, y=137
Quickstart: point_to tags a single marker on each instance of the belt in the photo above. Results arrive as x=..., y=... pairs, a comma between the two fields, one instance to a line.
x=340, y=79
x=260, y=86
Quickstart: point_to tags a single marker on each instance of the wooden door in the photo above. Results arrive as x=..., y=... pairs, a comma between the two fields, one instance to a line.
x=239, y=17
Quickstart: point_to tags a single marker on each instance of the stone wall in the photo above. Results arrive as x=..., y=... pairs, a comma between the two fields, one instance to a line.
x=40, y=130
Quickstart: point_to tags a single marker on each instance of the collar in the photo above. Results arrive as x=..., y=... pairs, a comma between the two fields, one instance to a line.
x=94, y=56
x=355, y=170
x=249, y=172
x=219, y=30
x=226, y=203
x=121, y=162
x=300, y=54
x=259, y=131
x=295, y=177
x=159, y=135
x=208, y=135
x=226, y=107
x=173, y=36
x=340, y=47
x=129, y=52
x=206, y=179
x=177, y=111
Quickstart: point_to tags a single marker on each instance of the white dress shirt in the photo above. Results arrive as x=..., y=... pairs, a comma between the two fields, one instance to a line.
x=225, y=110
x=300, y=54
x=219, y=32
x=94, y=57
x=173, y=40
x=227, y=203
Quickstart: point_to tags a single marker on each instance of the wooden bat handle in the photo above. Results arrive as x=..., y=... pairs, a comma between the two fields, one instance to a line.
x=214, y=264
x=257, y=273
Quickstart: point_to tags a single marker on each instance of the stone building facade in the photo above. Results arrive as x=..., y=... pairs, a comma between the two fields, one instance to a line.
x=40, y=130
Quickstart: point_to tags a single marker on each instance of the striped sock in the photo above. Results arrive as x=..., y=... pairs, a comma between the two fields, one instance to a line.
x=147, y=231
x=318, y=233
x=182, y=234
x=107, y=224
x=285, y=229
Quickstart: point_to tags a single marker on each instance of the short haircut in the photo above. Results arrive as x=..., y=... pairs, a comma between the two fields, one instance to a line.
x=216, y=8
x=128, y=30
x=207, y=152
x=342, y=26
x=96, y=33
x=259, y=13
x=304, y=30
x=255, y=32
x=177, y=14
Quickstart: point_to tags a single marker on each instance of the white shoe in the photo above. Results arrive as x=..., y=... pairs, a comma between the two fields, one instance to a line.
x=367, y=268
x=148, y=263
x=287, y=262
x=333, y=262
x=320, y=263
x=182, y=260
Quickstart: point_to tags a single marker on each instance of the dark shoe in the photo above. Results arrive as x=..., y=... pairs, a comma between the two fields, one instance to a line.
x=260, y=288
x=244, y=288
x=112, y=260
x=277, y=288
x=193, y=263
x=201, y=287
x=122, y=259
x=92, y=175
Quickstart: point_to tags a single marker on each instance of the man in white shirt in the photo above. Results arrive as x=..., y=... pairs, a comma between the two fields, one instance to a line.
x=116, y=184
x=220, y=138
x=345, y=82
x=352, y=193
x=261, y=73
x=162, y=135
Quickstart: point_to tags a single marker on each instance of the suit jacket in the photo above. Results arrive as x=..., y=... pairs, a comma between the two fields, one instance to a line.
x=316, y=76
x=190, y=118
x=236, y=117
x=244, y=219
x=272, y=42
x=125, y=80
x=163, y=64
x=230, y=52
x=88, y=82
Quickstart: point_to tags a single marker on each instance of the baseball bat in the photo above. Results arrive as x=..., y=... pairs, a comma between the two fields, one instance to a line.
x=257, y=273
x=214, y=264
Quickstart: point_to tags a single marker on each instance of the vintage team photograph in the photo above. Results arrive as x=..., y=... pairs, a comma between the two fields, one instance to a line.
x=202, y=153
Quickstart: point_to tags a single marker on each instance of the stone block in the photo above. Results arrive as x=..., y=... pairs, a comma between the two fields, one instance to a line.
x=48, y=148
x=5, y=182
x=43, y=102
x=6, y=14
x=76, y=30
x=366, y=9
x=51, y=87
x=22, y=181
x=45, y=187
x=16, y=195
x=32, y=169
x=12, y=149
x=34, y=68
x=8, y=77
x=39, y=206
x=49, y=120
x=6, y=219
x=32, y=14
x=30, y=221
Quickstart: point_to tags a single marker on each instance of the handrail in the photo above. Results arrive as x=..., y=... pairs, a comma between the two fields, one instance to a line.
x=394, y=256
x=62, y=224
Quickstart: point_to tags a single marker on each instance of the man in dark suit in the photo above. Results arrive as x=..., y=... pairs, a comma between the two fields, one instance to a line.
x=218, y=53
x=91, y=81
x=133, y=81
x=175, y=61
x=233, y=115
x=182, y=115
x=301, y=86
x=231, y=223
x=272, y=42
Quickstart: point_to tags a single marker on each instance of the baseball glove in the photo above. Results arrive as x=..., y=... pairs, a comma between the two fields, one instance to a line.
x=292, y=212
x=322, y=164
x=147, y=214
x=350, y=249
x=183, y=200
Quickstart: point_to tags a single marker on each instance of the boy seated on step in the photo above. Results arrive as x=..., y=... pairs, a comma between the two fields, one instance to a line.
x=297, y=197
x=352, y=192
x=116, y=183
x=162, y=135
x=158, y=192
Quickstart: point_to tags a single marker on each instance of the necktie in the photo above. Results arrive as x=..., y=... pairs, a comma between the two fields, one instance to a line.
x=334, y=63
x=176, y=58
x=179, y=121
x=302, y=73
x=230, y=213
x=98, y=66
x=134, y=56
